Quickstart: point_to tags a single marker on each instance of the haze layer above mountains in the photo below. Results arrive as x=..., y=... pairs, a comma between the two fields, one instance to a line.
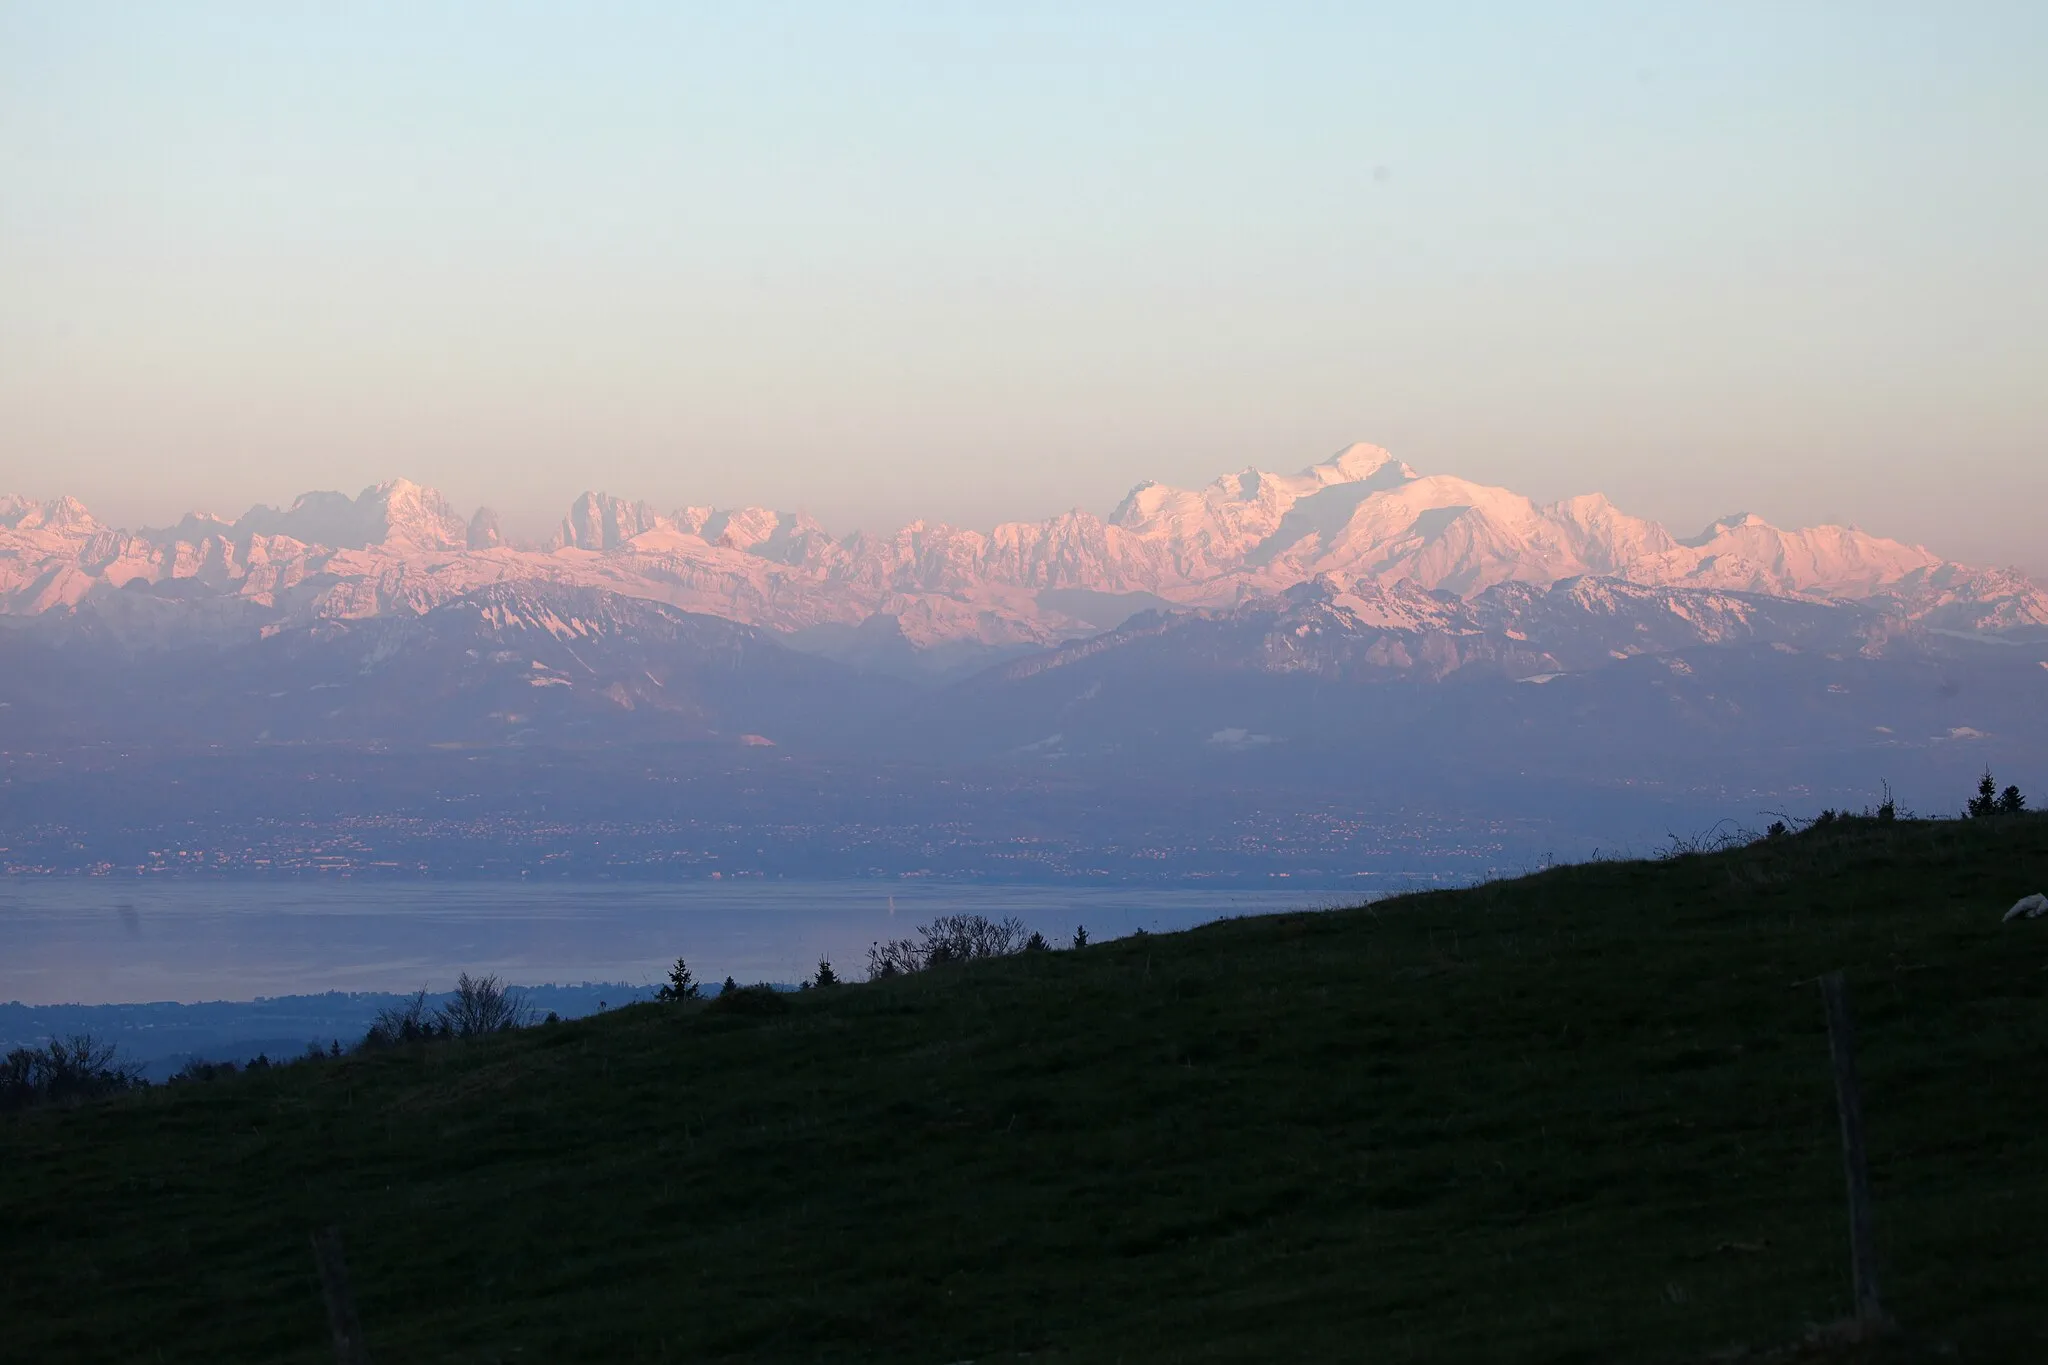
x=1363, y=525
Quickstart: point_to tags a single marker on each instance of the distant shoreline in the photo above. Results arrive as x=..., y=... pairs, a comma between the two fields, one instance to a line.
x=1192, y=881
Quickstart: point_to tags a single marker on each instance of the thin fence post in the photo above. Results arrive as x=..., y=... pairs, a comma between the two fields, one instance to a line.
x=349, y=1346
x=1862, y=1238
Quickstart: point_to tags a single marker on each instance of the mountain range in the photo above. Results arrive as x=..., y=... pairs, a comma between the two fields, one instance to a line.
x=1351, y=668
x=934, y=599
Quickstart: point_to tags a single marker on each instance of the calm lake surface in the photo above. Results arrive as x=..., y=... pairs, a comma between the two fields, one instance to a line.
x=102, y=940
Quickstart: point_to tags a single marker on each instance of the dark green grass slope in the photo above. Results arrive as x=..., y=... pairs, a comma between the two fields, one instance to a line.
x=1586, y=1115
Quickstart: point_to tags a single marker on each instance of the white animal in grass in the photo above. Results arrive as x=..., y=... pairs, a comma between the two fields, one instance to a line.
x=2028, y=907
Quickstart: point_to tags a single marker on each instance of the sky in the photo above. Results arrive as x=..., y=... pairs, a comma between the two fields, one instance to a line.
x=980, y=261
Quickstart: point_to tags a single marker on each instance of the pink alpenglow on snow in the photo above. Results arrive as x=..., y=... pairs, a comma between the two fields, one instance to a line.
x=1360, y=520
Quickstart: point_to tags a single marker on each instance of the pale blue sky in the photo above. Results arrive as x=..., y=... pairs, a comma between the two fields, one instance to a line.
x=973, y=261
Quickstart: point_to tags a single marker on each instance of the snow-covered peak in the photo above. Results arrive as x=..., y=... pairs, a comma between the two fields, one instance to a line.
x=1357, y=463
x=1746, y=552
x=783, y=537
x=742, y=528
x=599, y=521
x=62, y=514
x=1226, y=524
x=1360, y=518
x=1605, y=537
x=398, y=513
x=1738, y=521
x=414, y=515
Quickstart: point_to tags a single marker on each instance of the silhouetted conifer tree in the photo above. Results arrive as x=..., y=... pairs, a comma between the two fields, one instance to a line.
x=681, y=985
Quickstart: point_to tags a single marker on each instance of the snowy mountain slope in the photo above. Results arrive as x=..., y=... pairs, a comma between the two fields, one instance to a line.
x=509, y=663
x=1361, y=518
x=1396, y=684
x=1379, y=685
x=1364, y=632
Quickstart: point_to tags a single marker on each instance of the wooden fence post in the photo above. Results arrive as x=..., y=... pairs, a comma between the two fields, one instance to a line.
x=1862, y=1239
x=349, y=1347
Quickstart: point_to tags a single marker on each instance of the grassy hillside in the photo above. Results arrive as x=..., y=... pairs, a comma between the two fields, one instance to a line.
x=1586, y=1115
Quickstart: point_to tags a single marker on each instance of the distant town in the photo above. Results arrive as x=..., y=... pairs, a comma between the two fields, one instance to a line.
x=1283, y=844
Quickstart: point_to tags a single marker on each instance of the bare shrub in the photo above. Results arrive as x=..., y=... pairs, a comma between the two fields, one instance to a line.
x=947, y=939
x=897, y=957
x=75, y=1068
x=1721, y=837
x=481, y=1005
x=969, y=938
x=405, y=1023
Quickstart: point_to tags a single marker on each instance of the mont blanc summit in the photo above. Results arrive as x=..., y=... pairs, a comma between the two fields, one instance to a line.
x=1362, y=518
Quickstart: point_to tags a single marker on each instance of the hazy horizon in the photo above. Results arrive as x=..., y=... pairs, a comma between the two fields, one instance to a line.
x=993, y=263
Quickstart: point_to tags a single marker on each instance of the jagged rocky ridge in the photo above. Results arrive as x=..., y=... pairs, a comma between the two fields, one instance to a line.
x=1363, y=524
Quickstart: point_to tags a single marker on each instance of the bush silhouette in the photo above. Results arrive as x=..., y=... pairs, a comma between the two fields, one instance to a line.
x=753, y=1000
x=79, y=1067
x=896, y=957
x=969, y=938
x=406, y=1023
x=481, y=1005
x=949, y=939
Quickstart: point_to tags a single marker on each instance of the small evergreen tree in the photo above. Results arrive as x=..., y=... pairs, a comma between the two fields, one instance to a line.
x=826, y=976
x=2010, y=802
x=681, y=985
x=1985, y=802
x=1080, y=936
x=729, y=987
x=1036, y=943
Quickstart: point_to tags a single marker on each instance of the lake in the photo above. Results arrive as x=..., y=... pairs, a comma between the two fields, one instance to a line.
x=103, y=940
